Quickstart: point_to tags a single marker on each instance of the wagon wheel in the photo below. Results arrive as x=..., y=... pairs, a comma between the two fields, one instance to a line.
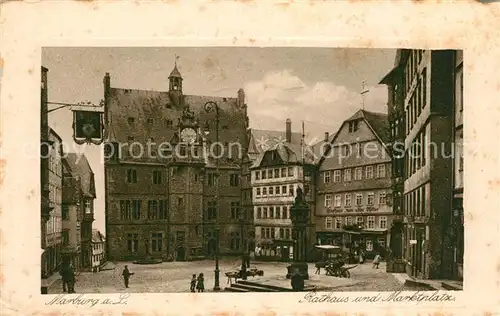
x=347, y=274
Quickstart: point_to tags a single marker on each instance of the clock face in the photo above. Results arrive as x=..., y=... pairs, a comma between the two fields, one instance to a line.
x=188, y=135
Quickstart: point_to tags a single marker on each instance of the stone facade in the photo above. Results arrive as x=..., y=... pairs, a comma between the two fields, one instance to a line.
x=51, y=258
x=163, y=203
x=353, y=184
x=426, y=91
x=78, y=210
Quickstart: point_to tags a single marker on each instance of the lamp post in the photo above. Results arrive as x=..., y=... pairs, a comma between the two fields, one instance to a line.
x=209, y=107
x=243, y=247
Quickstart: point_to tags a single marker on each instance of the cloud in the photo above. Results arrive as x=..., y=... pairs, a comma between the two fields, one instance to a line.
x=323, y=105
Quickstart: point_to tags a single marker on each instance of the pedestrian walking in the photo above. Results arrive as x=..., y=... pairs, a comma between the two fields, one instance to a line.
x=376, y=261
x=70, y=279
x=193, y=283
x=361, y=258
x=63, y=272
x=318, y=268
x=200, y=286
x=126, y=275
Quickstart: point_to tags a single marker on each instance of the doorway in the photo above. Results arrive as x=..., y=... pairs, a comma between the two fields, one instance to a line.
x=181, y=253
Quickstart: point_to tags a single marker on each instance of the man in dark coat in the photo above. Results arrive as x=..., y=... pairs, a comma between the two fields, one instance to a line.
x=70, y=277
x=126, y=275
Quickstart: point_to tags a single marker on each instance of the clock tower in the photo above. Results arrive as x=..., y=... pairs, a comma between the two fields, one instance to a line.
x=186, y=187
x=175, y=86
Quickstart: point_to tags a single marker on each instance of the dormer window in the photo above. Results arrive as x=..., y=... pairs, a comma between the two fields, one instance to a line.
x=131, y=120
x=150, y=121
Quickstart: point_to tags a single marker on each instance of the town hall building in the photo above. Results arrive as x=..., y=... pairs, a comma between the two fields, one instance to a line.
x=162, y=197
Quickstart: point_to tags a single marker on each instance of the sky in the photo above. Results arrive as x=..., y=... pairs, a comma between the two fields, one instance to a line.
x=318, y=86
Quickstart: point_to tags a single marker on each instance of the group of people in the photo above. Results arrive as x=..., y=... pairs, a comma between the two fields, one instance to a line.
x=197, y=283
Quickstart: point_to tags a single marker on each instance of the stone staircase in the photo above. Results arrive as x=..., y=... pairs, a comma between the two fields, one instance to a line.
x=249, y=286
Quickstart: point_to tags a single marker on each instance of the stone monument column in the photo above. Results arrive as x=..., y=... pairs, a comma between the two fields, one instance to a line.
x=300, y=218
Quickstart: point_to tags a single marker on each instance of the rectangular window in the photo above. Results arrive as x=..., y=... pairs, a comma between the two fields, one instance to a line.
x=290, y=171
x=234, y=180
x=348, y=200
x=264, y=175
x=271, y=191
x=348, y=220
x=328, y=200
x=136, y=209
x=359, y=199
x=283, y=172
x=285, y=213
x=235, y=210
x=347, y=174
x=258, y=214
x=370, y=198
x=271, y=212
x=290, y=190
x=132, y=243
x=359, y=220
x=326, y=176
x=153, y=210
x=371, y=221
x=156, y=242
x=338, y=222
x=328, y=222
x=276, y=173
x=358, y=173
x=283, y=190
x=369, y=172
x=211, y=180
x=257, y=192
x=264, y=191
x=211, y=210
x=257, y=175
x=338, y=200
x=157, y=177
x=381, y=171
x=277, y=190
x=131, y=176
x=336, y=176
x=383, y=222
x=270, y=174
x=382, y=198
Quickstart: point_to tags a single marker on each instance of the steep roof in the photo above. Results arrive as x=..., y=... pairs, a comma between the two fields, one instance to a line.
x=142, y=105
x=379, y=123
x=175, y=73
x=289, y=153
x=261, y=140
x=79, y=168
x=97, y=237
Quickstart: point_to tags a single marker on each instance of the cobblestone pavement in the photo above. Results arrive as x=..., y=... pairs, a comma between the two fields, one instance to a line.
x=175, y=277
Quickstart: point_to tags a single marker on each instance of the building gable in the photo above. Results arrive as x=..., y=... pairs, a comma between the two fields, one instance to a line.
x=357, y=130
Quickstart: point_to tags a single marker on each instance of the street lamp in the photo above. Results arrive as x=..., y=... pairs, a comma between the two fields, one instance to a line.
x=209, y=107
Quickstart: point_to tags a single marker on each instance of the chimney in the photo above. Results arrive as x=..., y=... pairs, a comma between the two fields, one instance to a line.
x=288, y=131
x=241, y=98
x=327, y=135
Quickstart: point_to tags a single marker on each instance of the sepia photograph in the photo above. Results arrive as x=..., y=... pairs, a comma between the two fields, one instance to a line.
x=251, y=169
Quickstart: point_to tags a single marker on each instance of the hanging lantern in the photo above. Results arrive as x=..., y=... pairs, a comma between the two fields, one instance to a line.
x=88, y=124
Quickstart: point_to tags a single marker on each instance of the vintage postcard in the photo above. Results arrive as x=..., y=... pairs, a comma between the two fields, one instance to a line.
x=187, y=158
